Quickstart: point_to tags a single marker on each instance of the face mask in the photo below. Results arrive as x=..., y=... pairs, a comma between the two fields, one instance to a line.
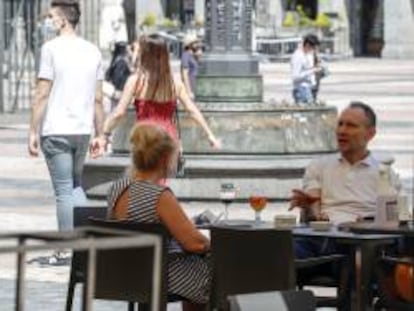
x=49, y=28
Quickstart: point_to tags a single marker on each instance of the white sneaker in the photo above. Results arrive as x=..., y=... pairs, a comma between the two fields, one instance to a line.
x=60, y=258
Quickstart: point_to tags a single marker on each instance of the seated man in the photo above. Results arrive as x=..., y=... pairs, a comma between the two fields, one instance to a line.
x=341, y=187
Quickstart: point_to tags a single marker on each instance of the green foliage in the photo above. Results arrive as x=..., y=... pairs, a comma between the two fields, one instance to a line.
x=303, y=20
x=169, y=23
x=322, y=21
x=149, y=20
x=290, y=20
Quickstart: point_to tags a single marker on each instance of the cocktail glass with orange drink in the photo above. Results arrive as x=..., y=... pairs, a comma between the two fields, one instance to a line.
x=258, y=202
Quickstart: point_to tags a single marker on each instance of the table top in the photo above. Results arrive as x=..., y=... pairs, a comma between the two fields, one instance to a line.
x=404, y=229
x=339, y=233
x=303, y=230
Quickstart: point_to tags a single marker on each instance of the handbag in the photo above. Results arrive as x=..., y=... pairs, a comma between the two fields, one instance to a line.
x=180, y=169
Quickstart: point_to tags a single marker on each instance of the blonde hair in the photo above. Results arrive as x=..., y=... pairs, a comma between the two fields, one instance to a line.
x=151, y=147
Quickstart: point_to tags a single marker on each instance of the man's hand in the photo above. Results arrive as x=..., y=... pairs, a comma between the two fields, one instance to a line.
x=33, y=145
x=98, y=146
x=317, y=69
x=302, y=199
x=306, y=201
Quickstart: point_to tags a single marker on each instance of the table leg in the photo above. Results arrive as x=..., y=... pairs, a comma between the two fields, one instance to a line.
x=367, y=251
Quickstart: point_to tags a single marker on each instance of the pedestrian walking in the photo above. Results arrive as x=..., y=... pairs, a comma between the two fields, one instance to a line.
x=303, y=70
x=120, y=67
x=155, y=92
x=189, y=63
x=67, y=102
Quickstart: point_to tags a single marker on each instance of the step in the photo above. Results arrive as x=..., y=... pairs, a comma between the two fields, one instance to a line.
x=204, y=167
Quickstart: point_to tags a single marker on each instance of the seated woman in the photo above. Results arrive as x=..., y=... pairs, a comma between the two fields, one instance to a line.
x=140, y=197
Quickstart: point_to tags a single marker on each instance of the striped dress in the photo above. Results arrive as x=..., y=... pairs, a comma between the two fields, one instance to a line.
x=188, y=274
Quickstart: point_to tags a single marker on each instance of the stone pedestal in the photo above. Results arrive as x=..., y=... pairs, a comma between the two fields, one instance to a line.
x=217, y=88
x=398, y=29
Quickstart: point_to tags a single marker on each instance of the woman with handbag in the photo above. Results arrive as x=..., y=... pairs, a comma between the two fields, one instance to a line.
x=155, y=92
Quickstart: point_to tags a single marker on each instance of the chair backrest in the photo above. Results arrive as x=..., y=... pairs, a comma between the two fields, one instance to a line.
x=81, y=214
x=291, y=300
x=247, y=260
x=126, y=274
x=121, y=274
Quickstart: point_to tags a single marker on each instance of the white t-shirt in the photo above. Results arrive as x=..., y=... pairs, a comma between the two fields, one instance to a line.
x=302, y=64
x=74, y=66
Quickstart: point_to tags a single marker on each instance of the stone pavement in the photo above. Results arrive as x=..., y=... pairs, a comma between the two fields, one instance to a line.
x=26, y=199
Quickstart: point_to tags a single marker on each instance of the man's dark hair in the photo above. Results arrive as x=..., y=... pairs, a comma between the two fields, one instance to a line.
x=311, y=40
x=368, y=111
x=70, y=9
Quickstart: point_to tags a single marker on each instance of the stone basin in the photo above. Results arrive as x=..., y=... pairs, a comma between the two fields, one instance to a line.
x=251, y=128
x=264, y=145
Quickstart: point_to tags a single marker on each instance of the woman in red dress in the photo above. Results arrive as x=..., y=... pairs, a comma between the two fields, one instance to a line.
x=155, y=92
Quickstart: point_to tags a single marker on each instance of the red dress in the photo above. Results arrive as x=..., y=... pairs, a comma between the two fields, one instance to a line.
x=162, y=113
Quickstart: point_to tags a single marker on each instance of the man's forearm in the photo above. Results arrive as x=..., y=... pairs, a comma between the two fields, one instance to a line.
x=39, y=105
x=35, y=117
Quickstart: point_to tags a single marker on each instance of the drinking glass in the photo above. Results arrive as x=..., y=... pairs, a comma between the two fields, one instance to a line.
x=227, y=196
x=257, y=202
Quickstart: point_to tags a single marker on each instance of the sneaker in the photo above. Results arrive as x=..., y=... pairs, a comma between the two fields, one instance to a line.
x=60, y=258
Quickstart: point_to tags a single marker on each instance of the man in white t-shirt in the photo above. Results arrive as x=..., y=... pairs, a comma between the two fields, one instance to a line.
x=67, y=102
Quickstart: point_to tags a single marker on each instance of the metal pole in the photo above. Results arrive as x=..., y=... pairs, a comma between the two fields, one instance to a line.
x=156, y=276
x=412, y=184
x=2, y=47
x=21, y=259
x=89, y=287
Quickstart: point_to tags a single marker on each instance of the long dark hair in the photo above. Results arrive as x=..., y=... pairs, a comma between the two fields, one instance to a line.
x=154, y=64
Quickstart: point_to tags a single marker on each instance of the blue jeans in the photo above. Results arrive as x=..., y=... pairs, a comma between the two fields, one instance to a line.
x=309, y=247
x=65, y=156
x=303, y=94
